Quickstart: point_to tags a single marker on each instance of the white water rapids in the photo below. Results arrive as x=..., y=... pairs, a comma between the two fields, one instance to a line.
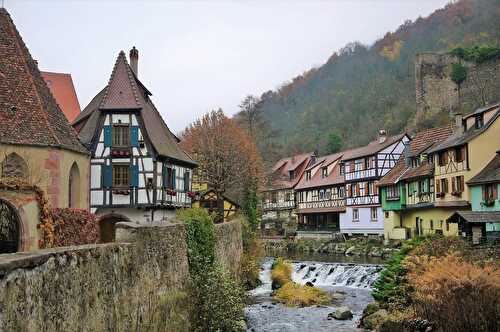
x=323, y=274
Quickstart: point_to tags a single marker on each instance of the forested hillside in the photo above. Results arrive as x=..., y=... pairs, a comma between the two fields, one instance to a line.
x=361, y=89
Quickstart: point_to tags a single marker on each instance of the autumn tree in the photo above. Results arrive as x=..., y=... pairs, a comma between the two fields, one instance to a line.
x=228, y=159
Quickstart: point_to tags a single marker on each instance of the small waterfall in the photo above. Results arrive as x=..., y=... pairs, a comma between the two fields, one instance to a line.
x=322, y=275
x=336, y=274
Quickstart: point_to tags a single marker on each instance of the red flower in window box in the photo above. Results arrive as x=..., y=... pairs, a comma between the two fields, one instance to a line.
x=191, y=194
x=120, y=153
x=171, y=192
x=121, y=192
x=439, y=194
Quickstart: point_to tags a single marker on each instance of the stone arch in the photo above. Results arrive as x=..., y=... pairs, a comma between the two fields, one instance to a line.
x=74, y=187
x=14, y=166
x=107, y=228
x=10, y=228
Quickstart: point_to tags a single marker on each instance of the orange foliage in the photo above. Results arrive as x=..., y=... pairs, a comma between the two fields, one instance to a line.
x=453, y=294
x=74, y=227
x=227, y=158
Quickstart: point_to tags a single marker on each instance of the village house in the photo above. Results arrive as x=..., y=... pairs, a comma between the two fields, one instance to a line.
x=207, y=198
x=483, y=222
x=138, y=170
x=408, y=192
x=278, y=202
x=362, y=168
x=38, y=146
x=432, y=188
x=321, y=197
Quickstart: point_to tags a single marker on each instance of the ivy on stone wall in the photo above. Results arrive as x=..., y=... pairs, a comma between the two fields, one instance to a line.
x=217, y=299
x=477, y=54
x=45, y=222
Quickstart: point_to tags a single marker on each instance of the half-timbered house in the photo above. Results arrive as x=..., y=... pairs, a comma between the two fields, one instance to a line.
x=362, y=168
x=321, y=197
x=461, y=156
x=278, y=203
x=138, y=170
x=408, y=191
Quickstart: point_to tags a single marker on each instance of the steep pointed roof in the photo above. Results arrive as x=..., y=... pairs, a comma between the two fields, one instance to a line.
x=121, y=91
x=125, y=91
x=29, y=114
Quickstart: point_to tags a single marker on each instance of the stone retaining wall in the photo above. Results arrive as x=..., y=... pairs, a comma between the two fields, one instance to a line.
x=118, y=286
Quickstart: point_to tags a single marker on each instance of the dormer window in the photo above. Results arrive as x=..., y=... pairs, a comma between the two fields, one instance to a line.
x=479, y=123
x=324, y=172
x=308, y=175
x=291, y=174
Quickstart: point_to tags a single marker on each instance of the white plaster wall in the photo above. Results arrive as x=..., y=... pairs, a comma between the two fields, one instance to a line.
x=140, y=216
x=365, y=225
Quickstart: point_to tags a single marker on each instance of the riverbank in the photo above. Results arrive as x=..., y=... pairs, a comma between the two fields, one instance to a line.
x=353, y=247
x=348, y=283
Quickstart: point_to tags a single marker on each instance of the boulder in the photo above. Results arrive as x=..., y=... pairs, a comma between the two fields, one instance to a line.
x=341, y=313
x=376, y=252
x=371, y=308
x=310, y=284
x=375, y=319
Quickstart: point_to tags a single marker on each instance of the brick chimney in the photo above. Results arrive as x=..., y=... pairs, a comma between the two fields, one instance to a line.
x=134, y=59
x=382, y=136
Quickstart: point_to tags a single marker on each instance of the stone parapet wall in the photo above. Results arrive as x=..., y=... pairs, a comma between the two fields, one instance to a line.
x=229, y=245
x=103, y=287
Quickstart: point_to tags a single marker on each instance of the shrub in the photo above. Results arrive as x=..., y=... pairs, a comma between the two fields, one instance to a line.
x=252, y=256
x=218, y=302
x=391, y=286
x=200, y=233
x=456, y=295
x=281, y=272
x=296, y=295
x=74, y=227
x=477, y=54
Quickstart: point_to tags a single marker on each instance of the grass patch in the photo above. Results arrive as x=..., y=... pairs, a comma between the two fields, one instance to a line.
x=296, y=295
x=281, y=273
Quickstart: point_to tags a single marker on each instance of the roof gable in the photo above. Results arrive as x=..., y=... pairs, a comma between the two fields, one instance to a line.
x=63, y=90
x=121, y=92
x=26, y=102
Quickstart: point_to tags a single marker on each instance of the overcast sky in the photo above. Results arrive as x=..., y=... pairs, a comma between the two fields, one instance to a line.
x=198, y=56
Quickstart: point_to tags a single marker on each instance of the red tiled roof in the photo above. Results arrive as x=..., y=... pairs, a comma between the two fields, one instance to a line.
x=424, y=169
x=280, y=177
x=423, y=140
x=29, y=114
x=393, y=176
x=317, y=180
x=121, y=92
x=125, y=91
x=62, y=88
x=371, y=148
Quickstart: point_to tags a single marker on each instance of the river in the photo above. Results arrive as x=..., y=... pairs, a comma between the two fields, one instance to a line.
x=330, y=273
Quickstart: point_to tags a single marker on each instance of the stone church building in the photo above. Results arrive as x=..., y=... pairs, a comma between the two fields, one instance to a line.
x=38, y=147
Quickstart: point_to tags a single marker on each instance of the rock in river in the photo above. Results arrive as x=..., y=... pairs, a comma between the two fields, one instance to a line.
x=341, y=313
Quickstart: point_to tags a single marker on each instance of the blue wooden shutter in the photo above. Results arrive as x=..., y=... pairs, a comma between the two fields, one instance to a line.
x=134, y=175
x=134, y=136
x=107, y=176
x=173, y=179
x=164, y=176
x=107, y=136
x=186, y=181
